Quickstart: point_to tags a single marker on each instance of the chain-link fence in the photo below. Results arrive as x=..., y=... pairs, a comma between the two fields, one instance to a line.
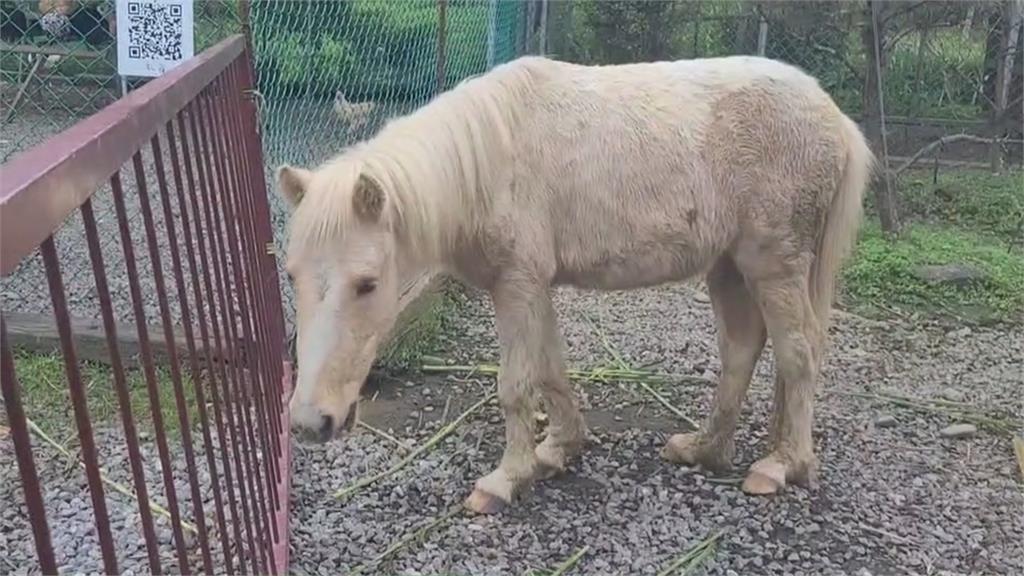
x=329, y=73
x=58, y=62
x=946, y=75
x=939, y=81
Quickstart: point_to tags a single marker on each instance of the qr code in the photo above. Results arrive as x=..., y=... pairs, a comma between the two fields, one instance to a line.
x=155, y=31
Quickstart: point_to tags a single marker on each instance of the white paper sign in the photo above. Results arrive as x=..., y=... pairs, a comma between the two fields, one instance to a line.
x=153, y=36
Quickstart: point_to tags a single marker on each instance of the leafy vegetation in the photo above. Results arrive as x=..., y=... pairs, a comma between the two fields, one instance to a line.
x=969, y=218
x=934, y=68
x=48, y=403
x=881, y=273
x=419, y=329
x=371, y=48
x=977, y=200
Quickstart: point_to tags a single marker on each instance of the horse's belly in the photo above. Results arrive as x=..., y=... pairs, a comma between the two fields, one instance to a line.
x=637, y=270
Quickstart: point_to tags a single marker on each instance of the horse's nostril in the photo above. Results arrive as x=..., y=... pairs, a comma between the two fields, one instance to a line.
x=326, y=426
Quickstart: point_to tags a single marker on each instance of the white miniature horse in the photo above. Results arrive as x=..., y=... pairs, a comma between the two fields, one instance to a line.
x=542, y=173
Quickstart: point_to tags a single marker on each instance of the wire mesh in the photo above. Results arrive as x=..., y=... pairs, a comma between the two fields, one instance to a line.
x=52, y=76
x=331, y=73
x=940, y=59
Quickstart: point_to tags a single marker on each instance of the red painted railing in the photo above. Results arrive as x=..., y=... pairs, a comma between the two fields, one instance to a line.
x=185, y=146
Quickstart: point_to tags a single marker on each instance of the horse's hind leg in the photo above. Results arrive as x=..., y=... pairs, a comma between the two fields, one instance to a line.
x=797, y=339
x=566, y=428
x=741, y=337
x=524, y=318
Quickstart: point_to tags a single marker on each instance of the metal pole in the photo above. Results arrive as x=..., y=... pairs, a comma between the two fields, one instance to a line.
x=442, y=43
x=492, y=32
x=762, y=33
x=542, y=49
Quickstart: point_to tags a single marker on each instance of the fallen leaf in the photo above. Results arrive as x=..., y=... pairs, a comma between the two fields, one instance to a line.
x=4, y=432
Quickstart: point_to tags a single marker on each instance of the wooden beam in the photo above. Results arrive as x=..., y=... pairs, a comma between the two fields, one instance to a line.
x=37, y=334
x=52, y=50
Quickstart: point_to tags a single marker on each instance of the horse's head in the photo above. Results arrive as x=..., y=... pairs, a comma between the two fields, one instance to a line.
x=342, y=262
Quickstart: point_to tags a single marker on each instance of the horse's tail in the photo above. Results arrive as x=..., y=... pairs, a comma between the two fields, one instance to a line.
x=842, y=220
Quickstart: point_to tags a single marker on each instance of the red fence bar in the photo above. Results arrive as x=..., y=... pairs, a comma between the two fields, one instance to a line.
x=222, y=278
x=23, y=450
x=193, y=226
x=39, y=191
x=224, y=428
x=149, y=370
x=92, y=468
x=186, y=318
x=121, y=387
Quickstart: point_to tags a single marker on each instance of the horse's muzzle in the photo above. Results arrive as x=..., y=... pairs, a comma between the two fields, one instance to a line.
x=311, y=425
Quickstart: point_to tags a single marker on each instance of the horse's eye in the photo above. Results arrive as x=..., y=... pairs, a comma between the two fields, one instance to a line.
x=365, y=286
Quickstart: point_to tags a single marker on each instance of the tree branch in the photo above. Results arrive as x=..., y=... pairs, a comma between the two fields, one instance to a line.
x=942, y=142
x=905, y=9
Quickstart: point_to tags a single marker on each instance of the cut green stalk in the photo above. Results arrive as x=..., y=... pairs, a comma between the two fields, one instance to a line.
x=405, y=447
x=564, y=567
x=409, y=538
x=664, y=402
x=434, y=440
x=621, y=364
x=116, y=486
x=694, y=557
x=957, y=411
x=600, y=374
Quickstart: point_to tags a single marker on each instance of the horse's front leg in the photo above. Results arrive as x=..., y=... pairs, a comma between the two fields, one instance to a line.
x=524, y=318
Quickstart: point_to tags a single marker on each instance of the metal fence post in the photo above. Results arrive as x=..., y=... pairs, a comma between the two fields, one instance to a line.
x=762, y=32
x=442, y=43
x=492, y=31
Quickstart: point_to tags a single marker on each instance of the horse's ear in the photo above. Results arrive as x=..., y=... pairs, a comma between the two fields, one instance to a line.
x=368, y=199
x=293, y=182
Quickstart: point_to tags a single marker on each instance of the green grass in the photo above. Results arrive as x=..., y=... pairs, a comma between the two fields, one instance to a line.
x=880, y=276
x=419, y=332
x=968, y=217
x=975, y=200
x=47, y=401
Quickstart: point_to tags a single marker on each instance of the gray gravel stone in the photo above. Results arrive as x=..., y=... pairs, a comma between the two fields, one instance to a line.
x=959, y=431
x=886, y=421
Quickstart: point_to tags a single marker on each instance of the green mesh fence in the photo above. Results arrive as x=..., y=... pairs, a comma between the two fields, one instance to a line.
x=52, y=75
x=331, y=72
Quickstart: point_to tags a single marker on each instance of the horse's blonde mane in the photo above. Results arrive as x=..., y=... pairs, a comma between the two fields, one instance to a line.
x=436, y=166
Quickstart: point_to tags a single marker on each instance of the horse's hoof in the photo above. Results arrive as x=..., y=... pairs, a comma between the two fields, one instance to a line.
x=682, y=449
x=550, y=460
x=546, y=471
x=481, y=502
x=766, y=477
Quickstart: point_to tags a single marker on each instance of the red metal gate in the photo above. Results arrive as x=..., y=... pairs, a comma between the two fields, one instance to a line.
x=190, y=141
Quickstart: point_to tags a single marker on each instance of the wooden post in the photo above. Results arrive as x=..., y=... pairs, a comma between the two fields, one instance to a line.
x=1012, y=15
x=874, y=113
x=442, y=44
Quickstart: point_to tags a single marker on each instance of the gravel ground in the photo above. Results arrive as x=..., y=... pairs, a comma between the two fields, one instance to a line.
x=70, y=515
x=894, y=498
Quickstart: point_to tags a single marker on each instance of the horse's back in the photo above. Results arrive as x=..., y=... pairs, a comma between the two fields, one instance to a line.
x=637, y=174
